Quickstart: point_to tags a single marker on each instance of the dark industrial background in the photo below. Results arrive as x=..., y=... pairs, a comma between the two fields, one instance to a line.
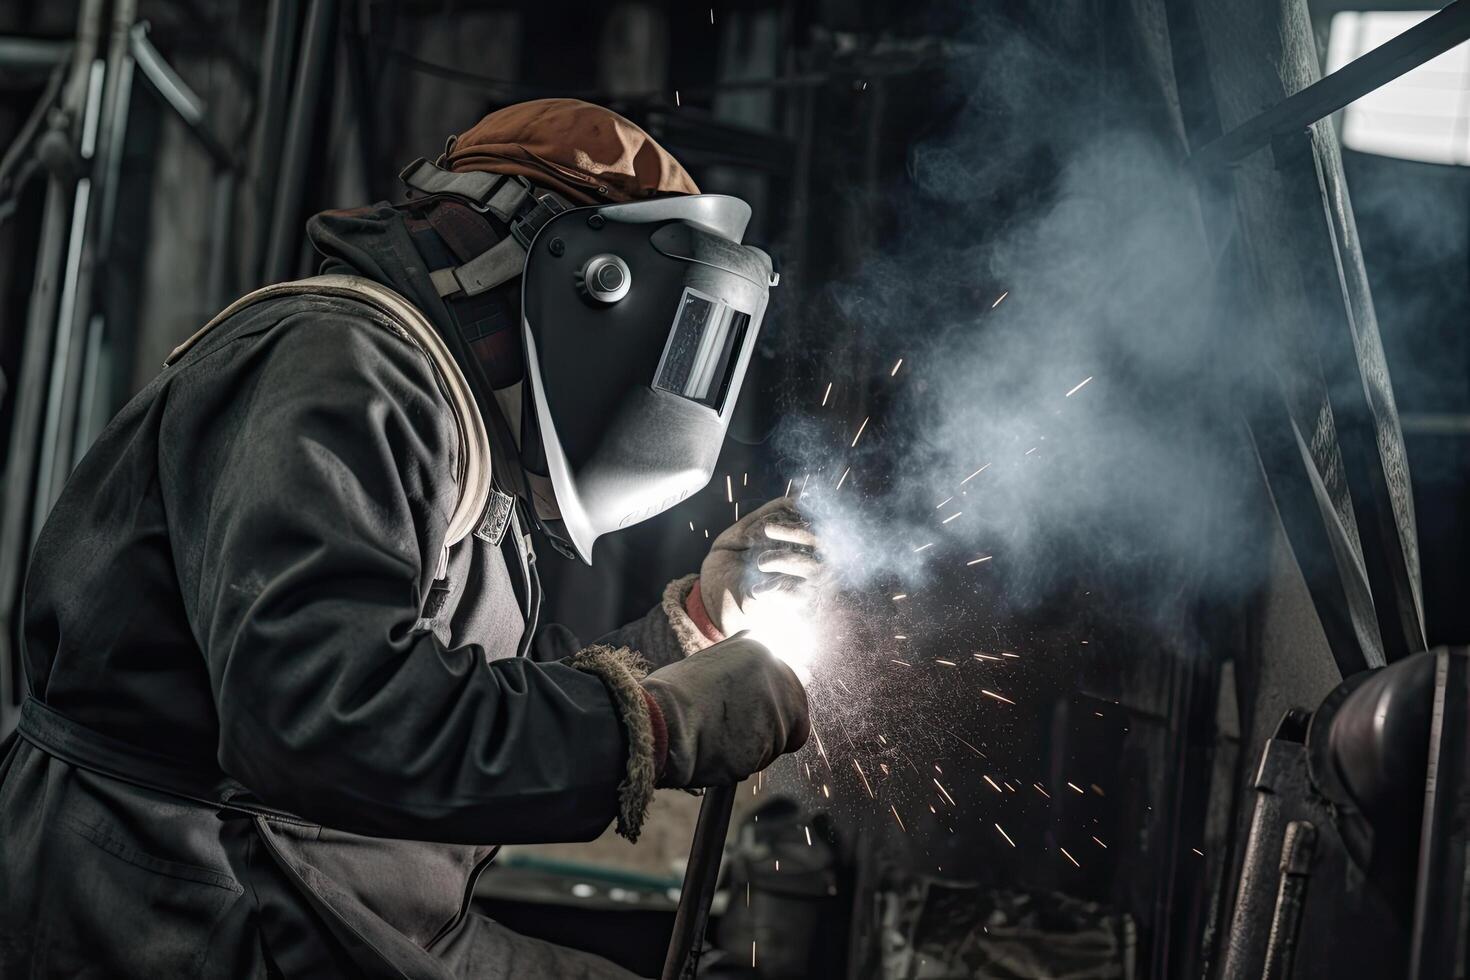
x=179, y=172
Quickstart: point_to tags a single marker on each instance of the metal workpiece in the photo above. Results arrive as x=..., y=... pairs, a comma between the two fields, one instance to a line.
x=701, y=878
x=1280, y=781
x=1425, y=40
x=1298, y=846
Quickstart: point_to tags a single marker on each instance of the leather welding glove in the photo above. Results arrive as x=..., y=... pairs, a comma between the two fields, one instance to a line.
x=770, y=550
x=729, y=711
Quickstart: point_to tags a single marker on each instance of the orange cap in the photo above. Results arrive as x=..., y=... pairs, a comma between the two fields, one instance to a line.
x=589, y=154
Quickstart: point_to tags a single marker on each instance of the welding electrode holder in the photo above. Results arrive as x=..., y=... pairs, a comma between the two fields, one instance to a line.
x=701, y=875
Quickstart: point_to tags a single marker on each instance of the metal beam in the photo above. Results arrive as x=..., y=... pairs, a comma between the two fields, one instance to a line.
x=1420, y=43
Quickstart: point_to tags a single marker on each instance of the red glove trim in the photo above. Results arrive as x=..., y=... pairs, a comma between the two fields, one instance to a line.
x=660, y=734
x=694, y=606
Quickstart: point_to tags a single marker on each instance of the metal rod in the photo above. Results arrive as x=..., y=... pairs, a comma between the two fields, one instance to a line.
x=29, y=54
x=1425, y=40
x=15, y=527
x=285, y=231
x=1298, y=847
x=1439, y=891
x=700, y=878
x=177, y=94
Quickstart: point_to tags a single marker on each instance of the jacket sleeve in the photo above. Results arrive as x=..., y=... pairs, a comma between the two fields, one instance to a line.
x=664, y=634
x=314, y=521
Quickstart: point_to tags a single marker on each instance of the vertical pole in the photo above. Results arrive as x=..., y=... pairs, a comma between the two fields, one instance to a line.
x=700, y=878
x=318, y=46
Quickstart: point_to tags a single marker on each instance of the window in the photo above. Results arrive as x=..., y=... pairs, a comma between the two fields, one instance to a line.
x=1423, y=114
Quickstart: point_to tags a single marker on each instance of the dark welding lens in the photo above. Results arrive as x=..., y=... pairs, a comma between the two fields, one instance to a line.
x=703, y=347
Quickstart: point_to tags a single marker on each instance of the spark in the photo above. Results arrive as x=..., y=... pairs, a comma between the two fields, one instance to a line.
x=842, y=684
x=1013, y=656
x=729, y=492
x=980, y=559
x=1100, y=843
x=901, y=595
x=984, y=656
x=1076, y=787
x=747, y=894
x=974, y=474
x=821, y=749
x=898, y=818
x=923, y=546
x=896, y=366
x=712, y=15
x=1005, y=835
x=826, y=394
x=947, y=663
x=745, y=480
x=752, y=954
x=778, y=864
x=788, y=487
x=999, y=298
x=1032, y=450
x=900, y=636
x=677, y=102
x=996, y=696
x=803, y=484
x=951, y=517
x=1007, y=784
x=808, y=831
x=882, y=740
x=968, y=745
x=864, y=778
x=1097, y=789
x=1068, y=856
x=943, y=502
x=706, y=534
x=945, y=792
x=901, y=663
x=1041, y=791
x=691, y=525
x=843, y=479
x=1198, y=851
x=1078, y=387
x=937, y=769
x=993, y=785
x=737, y=510
x=826, y=792
x=859, y=432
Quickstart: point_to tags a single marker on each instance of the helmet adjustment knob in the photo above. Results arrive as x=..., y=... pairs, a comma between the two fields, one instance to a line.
x=606, y=278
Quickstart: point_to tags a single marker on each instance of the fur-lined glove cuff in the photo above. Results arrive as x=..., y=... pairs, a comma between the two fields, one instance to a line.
x=694, y=634
x=621, y=670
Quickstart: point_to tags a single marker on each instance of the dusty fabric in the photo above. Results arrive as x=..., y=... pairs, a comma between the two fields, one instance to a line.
x=621, y=670
x=590, y=154
x=238, y=576
x=675, y=605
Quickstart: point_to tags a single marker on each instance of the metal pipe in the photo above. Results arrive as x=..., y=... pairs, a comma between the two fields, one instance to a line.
x=285, y=229
x=30, y=54
x=15, y=528
x=1425, y=40
x=701, y=876
x=95, y=228
x=1298, y=847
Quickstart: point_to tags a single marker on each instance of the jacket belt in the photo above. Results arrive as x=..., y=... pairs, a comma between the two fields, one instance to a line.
x=72, y=742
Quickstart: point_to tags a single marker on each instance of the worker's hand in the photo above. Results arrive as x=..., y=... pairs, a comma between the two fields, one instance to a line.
x=770, y=551
x=730, y=711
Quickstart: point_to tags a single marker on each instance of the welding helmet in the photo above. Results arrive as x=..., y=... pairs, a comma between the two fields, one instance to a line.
x=638, y=322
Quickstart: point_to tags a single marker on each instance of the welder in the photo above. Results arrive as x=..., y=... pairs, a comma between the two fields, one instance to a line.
x=288, y=689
